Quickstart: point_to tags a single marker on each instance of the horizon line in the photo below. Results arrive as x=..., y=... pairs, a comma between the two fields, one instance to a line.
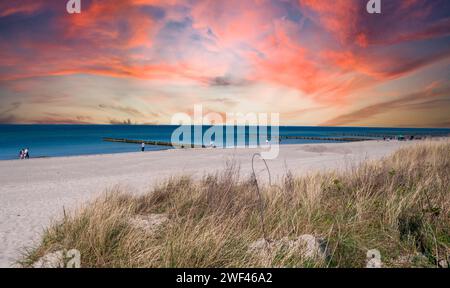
x=225, y=125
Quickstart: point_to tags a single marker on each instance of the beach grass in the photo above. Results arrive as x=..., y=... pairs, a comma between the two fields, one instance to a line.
x=399, y=205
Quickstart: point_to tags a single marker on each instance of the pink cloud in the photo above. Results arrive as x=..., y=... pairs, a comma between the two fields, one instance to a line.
x=26, y=7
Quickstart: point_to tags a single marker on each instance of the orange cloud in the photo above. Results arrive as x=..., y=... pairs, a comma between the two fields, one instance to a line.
x=102, y=24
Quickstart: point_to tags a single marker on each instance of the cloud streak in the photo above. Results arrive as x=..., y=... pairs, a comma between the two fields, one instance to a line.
x=431, y=98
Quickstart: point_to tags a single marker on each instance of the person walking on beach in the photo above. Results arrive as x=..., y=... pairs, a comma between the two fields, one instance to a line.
x=143, y=147
x=26, y=153
x=21, y=154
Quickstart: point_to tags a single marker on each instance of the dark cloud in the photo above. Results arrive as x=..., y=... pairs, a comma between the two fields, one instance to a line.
x=410, y=65
x=121, y=122
x=84, y=118
x=11, y=108
x=8, y=119
x=124, y=109
x=225, y=81
x=58, y=120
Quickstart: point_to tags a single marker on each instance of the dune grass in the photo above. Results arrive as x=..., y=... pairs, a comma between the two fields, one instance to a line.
x=399, y=205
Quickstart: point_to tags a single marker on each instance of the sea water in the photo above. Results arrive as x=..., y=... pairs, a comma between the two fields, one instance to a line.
x=72, y=140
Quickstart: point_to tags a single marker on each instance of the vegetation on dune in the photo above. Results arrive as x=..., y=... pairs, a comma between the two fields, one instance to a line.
x=399, y=205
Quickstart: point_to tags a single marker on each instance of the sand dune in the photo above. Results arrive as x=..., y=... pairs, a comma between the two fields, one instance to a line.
x=34, y=192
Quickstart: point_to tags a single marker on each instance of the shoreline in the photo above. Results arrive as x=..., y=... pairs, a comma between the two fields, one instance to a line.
x=37, y=191
x=169, y=149
x=159, y=150
x=193, y=149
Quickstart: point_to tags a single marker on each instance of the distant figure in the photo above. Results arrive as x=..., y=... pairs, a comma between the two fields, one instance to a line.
x=21, y=154
x=143, y=147
x=26, y=153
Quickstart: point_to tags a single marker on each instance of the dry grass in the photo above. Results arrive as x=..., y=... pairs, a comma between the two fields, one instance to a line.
x=400, y=206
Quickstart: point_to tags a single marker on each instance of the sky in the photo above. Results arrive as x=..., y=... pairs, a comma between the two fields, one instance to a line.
x=326, y=63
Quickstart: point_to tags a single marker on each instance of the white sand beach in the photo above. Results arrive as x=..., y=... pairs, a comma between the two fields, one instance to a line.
x=34, y=192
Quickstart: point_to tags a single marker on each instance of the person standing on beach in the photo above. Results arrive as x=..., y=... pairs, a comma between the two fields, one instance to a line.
x=21, y=153
x=143, y=147
x=26, y=153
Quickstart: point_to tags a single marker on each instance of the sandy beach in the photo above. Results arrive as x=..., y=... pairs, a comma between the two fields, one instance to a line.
x=36, y=191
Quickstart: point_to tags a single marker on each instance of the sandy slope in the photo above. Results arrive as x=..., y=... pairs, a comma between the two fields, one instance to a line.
x=34, y=192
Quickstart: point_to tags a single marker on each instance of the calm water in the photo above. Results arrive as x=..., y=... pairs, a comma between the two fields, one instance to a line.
x=70, y=140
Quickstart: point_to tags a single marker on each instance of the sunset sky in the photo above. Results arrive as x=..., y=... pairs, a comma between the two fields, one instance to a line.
x=315, y=62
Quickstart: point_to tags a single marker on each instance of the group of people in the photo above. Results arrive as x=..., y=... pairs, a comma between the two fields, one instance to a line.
x=24, y=154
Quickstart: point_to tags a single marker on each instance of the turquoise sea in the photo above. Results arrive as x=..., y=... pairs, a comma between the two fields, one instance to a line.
x=71, y=140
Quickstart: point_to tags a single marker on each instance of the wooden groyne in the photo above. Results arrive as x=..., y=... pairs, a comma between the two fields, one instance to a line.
x=366, y=137
x=416, y=135
x=336, y=139
x=150, y=142
x=177, y=145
